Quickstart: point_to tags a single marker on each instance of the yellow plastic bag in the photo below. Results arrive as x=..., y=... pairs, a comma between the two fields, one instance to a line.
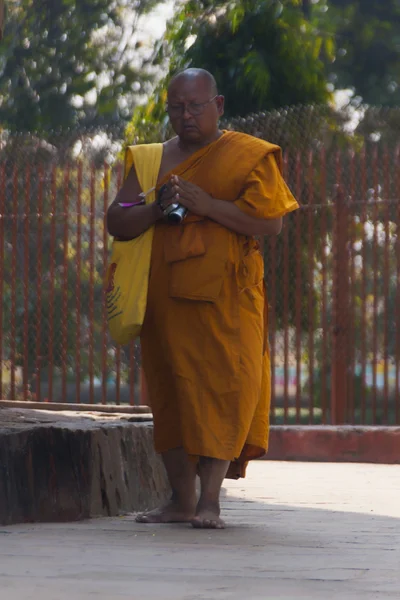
x=128, y=272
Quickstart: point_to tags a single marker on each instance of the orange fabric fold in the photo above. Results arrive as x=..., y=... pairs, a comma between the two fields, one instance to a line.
x=204, y=338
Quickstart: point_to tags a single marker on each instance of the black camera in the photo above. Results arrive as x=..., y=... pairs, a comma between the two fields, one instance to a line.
x=174, y=213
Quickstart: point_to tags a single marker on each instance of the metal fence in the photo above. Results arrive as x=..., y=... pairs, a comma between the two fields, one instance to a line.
x=333, y=280
x=334, y=290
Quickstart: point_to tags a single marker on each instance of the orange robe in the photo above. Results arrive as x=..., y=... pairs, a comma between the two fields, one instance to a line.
x=204, y=340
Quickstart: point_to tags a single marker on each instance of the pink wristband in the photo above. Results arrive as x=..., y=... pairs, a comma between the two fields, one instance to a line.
x=128, y=204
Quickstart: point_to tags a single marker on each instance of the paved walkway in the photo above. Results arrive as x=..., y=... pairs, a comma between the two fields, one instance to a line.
x=310, y=531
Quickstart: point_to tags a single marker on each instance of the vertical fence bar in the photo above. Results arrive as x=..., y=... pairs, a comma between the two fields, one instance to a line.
x=286, y=320
x=91, y=281
x=118, y=375
x=340, y=305
x=386, y=287
x=375, y=250
x=78, y=295
x=118, y=348
x=298, y=307
x=132, y=399
x=2, y=217
x=324, y=230
x=25, y=285
x=104, y=311
x=286, y=306
x=143, y=389
x=52, y=279
x=311, y=259
x=64, y=302
x=352, y=304
x=272, y=322
x=299, y=295
x=397, y=357
x=363, y=349
x=14, y=284
x=39, y=270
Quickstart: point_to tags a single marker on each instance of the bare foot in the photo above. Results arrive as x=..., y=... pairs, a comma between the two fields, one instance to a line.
x=207, y=517
x=172, y=512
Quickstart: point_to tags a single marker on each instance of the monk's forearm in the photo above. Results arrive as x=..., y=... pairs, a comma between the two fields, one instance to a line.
x=128, y=223
x=231, y=217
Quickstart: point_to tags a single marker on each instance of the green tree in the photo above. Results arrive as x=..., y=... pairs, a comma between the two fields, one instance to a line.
x=367, y=36
x=265, y=54
x=65, y=63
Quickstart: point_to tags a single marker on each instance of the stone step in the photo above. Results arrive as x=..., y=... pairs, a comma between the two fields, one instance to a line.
x=69, y=466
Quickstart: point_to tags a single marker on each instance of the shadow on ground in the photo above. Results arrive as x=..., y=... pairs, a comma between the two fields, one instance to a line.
x=295, y=531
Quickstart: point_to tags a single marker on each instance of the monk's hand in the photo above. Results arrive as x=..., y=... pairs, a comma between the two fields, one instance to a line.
x=167, y=197
x=196, y=200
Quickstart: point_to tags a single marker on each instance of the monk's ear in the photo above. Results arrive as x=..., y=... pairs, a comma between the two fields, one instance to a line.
x=220, y=101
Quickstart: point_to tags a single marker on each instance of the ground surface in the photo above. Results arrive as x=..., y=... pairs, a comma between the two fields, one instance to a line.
x=296, y=530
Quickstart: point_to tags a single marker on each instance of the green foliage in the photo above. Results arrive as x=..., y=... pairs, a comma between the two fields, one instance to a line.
x=268, y=54
x=263, y=53
x=150, y=122
x=367, y=34
x=56, y=54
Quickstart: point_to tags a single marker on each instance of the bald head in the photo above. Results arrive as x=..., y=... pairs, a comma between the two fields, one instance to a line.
x=196, y=76
x=194, y=106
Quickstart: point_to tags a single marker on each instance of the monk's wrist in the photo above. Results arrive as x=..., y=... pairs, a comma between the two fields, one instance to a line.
x=214, y=207
x=156, y=212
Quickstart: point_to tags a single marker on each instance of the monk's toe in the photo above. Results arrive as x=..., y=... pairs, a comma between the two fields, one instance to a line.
x=142, y=519
x=197, y=523
x=207, y=523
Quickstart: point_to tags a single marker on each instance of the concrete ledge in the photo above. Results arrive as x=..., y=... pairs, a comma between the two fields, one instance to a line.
x=69, y=466
x=65, y=466
x=89, y=408
x=343, y=443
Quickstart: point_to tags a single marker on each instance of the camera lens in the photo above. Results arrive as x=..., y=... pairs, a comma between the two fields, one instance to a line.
x=177, y=215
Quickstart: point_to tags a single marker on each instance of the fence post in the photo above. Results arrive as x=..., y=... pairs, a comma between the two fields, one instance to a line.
x=143, y=400
x=340, y=313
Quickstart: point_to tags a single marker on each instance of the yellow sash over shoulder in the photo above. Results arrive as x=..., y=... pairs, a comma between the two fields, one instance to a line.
x=128, y=271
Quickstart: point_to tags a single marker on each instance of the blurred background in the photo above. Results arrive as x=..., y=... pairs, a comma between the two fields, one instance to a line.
x=81, y=79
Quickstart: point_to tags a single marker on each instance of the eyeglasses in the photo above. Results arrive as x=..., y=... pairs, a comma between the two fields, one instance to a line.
x=193, y=108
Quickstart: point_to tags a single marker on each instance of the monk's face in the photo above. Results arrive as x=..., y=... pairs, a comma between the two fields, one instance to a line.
x=194, y=109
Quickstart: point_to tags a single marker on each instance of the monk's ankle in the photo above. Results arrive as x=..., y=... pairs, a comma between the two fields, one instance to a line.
x=208, y=503
x=186, y=502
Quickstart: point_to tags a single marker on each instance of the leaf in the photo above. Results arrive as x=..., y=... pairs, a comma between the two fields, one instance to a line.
x=317, y=48
x=330, y=48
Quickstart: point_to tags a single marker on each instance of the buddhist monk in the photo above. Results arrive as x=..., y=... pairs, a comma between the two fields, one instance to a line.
x=204, y=338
